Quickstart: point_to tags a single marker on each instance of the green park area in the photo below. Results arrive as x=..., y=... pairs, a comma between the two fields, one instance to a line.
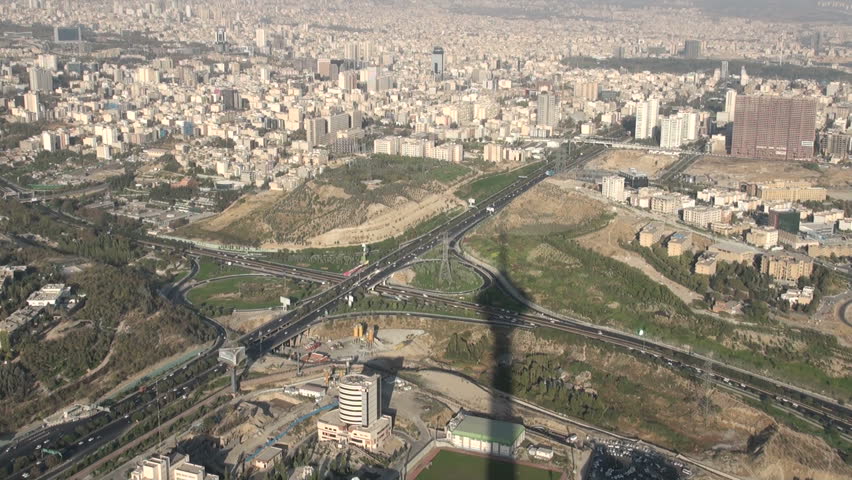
x=208, y=269
x=555, y=271
x=243, y=293
x=449, y=465
x=461, y=278
x=490, y=184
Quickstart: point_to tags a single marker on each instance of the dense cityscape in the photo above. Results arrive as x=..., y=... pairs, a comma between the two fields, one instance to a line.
x=385, y=239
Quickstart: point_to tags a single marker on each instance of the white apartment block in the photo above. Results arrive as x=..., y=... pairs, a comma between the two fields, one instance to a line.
x=646, y=118
x=612, y=187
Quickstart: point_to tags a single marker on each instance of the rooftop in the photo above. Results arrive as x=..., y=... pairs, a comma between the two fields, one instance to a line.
x=489, y=430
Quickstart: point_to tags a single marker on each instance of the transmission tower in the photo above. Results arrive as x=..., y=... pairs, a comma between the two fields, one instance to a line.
x=563, y=157
x=445, y=274
x=706, y=391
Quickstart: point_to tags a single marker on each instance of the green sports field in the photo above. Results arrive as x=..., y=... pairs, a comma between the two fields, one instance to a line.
x=458, y=466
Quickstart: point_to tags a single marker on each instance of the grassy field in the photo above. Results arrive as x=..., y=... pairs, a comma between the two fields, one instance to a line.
x=561, y=275
x=249, y=292
x=338, y=198
x=428, y=277
x=458, y=466
x=208, y=269
x=341, y=259
x=491, y=184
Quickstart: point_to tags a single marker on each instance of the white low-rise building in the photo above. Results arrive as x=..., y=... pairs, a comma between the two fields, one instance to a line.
x=49, y=295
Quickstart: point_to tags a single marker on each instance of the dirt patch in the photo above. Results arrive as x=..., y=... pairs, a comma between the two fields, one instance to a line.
x=731, y=171
x=617, y=160
x=403, y=277
x=549, y=207
x=385, y=222
x=239, y=209
x=244, y=322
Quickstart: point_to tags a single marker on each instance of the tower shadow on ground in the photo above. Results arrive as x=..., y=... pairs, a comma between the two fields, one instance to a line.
x=499, y=376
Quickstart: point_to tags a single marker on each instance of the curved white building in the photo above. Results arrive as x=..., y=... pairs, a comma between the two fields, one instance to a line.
x=359, y=399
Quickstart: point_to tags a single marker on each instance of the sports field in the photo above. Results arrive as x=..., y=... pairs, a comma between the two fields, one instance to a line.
x=448, y=465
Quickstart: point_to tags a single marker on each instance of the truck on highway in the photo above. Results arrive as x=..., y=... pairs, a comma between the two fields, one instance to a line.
x=550, y=173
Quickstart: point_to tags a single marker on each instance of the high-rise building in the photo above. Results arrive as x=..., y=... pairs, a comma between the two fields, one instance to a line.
x=231, y=99
x=359, y=399
x=351, y=51
x=743, y=76
x=31, y=102
x=548, y=110
x=48, y=62
x=337, y=123
x=612, y=187
x=587, y=90
x=316, y=131
x=692, y=49
x=731, y=103
x=723, y=71
x=774, y=128
x=347, y=80
x=41, y=80
x=328, y=68
x=260, y=39
x=147, y=75
x=221, y=42
x=671, y=132
x=677, y=130
x=438, y=62
x=646, y=118
x=835, y=145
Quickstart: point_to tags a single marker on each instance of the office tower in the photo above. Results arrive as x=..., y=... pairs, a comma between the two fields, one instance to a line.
x=618, y=52
x=41, y=80
x=723, y=72
x=359, y=397
x=612, y=187
x=438, y=62
x=730, y=103
x=646, y=118
x=743, y=77
x=692, y=49
x=316, y=131
x=260, y=39
x=817, y=42
x=774, y=127
x=548, y=110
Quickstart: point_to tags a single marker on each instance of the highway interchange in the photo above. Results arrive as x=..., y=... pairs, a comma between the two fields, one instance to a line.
x=372, y=278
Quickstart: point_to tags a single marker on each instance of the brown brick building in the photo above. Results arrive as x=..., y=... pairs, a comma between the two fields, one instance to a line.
x=775, y=128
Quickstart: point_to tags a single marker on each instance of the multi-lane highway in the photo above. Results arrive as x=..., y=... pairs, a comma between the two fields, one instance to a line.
x=271, y=335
